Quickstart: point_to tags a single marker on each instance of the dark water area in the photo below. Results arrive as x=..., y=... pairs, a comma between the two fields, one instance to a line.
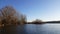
x=32, y=29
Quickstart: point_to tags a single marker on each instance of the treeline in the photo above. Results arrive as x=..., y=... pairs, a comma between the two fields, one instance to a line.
x=53, y=22
x=8, y=16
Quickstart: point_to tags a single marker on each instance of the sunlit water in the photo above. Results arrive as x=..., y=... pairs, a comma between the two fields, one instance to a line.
x=32, y=29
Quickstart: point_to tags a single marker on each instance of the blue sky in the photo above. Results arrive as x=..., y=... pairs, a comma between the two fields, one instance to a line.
x=46, y=10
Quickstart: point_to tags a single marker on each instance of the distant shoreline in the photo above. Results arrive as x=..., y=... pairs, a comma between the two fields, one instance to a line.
x=43, y=22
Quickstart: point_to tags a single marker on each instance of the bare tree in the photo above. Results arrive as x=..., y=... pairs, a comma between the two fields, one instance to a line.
x=8, y=15
x=23, y=19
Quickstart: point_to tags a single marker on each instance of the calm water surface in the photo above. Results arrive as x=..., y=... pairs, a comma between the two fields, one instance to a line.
x=32, y=29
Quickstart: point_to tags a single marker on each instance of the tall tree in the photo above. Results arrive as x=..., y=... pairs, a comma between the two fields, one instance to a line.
x=8, y=15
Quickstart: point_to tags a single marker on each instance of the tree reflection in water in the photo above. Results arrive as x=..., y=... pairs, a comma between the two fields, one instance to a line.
x=20, y=29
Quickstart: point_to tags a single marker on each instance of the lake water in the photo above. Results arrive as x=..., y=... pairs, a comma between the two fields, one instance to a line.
x=32, y=29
